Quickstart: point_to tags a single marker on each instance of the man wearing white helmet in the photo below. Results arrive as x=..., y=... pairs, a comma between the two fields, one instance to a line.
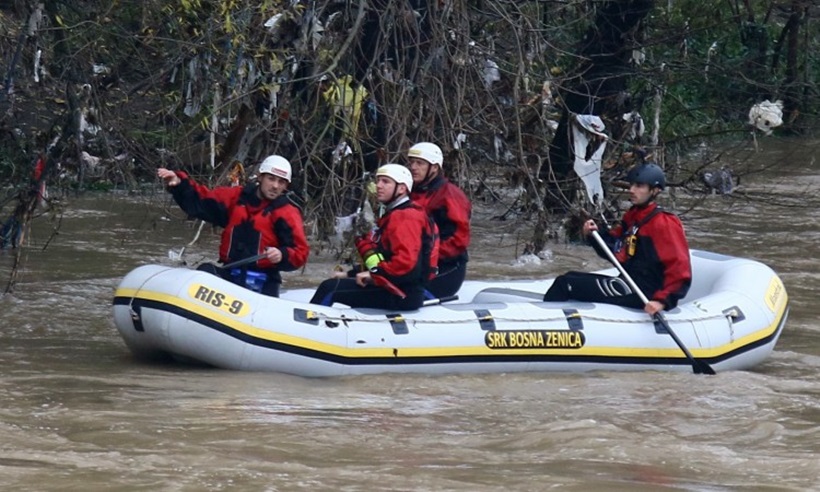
x=398, y=257
x=449, y=208
x=256, y=219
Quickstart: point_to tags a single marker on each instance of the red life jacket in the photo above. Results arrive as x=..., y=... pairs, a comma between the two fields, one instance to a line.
x=408, y=240
x=250, y=223
x=451, y=210
x=654, y=251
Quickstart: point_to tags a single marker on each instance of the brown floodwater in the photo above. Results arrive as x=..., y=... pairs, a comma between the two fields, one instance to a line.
x=79, y=413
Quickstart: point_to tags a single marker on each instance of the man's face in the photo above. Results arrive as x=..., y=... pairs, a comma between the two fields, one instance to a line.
x=385, y=189
x=419, y=169
x=640, y=193
x=271, y=187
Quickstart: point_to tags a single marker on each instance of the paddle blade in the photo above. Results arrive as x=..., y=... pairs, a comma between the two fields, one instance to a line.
x=700, y=367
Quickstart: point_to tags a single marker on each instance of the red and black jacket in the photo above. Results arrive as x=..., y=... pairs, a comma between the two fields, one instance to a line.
x=408, y=240
x=659, y=260
x=451, y=211
x=250, y=224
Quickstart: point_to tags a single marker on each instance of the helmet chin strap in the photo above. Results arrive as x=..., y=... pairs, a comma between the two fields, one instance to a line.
x=394, y=196
x=427, y=176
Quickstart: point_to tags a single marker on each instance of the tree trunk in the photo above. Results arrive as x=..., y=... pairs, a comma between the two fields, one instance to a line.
x=598, y=88
x=791, y=81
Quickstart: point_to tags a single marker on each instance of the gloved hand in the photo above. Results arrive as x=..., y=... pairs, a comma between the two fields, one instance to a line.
x=369, y=251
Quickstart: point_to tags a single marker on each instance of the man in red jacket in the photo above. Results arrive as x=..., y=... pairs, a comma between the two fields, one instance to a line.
x=651, y=245
x=449, y=207
x=398, y=256
x=257, y=218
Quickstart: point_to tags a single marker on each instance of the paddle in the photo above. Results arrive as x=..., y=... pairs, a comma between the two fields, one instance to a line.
x=439, y=300
x=245, y=261
x=698, y=366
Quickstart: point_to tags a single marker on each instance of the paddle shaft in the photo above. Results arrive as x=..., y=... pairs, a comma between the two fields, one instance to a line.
x=698, y=366
x=251, y=259
x=438, y=300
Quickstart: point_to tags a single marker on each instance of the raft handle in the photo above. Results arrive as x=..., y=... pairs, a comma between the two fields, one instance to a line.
x=485, y=319
x=136, y=318
x=734, y=314
x=306, y=316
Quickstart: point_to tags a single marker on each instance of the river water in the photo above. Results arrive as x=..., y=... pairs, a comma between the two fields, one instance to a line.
x=78, y=413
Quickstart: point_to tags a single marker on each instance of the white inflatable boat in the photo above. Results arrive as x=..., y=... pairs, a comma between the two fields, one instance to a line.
x=731, y=320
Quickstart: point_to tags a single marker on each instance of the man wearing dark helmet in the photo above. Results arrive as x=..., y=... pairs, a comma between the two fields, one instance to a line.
x=649, y=242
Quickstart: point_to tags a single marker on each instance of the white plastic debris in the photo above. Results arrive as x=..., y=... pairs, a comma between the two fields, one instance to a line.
x=341, y=151
x=636, y=124
x=37, y=57
x=589, y=152
x=91, y=162
x=638, y=56
x=766, y=115
x=461, y=138
x=273, y=21
x=592, y=124
x=491, y=73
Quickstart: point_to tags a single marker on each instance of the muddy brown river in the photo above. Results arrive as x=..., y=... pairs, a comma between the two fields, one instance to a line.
x=78, y=413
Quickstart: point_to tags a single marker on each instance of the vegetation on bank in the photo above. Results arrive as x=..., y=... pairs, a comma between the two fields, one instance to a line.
x=106, y=91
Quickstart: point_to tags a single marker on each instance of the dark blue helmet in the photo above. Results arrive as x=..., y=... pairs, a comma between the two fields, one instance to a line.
x=649, y=173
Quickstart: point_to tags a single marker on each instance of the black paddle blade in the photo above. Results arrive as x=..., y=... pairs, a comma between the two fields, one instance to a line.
x=700, y=367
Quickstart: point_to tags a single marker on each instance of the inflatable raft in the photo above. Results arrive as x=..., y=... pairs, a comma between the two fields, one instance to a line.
x=731, y=319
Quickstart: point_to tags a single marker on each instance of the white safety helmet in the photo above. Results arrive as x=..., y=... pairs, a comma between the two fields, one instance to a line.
x=397, y=173
x=276, y=165
x=430, y=152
